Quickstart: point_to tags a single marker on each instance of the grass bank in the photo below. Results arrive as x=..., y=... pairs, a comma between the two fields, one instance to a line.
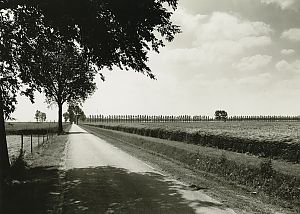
x=277, y=180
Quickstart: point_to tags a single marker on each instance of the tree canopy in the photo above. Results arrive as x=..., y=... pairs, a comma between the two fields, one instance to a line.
x=111, y=32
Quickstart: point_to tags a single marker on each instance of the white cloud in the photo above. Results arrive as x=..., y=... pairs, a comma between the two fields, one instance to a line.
x=287, y=51
x=283, y=4
x=220, y=39
x=288, y=68
x=230, y=35
x=253, y=63
x=224, y=26
x=186, y=21
x=292, y=34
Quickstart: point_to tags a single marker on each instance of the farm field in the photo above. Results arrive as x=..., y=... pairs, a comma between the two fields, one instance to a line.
x=14, y=145
x=30, y=127
x=288, y=132
x=267, y=139
x=14, y=130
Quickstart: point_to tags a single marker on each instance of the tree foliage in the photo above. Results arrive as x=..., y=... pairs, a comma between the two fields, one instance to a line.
x=111, y=32
x=75, y=113
x=221, y=115
x=40, y=116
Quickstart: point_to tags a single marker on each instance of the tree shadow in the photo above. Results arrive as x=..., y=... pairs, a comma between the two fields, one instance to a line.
x=97, y=190
x=36, y=191
x=70, y=133
x=115, y=190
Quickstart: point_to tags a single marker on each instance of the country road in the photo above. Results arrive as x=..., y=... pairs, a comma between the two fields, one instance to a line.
x=101, y=178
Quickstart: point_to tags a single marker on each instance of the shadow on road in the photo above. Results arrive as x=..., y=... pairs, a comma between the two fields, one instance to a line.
x=69, y=133
x=114, y=190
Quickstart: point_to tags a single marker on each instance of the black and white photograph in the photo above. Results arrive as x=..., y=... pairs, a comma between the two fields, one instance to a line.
x=149, y=106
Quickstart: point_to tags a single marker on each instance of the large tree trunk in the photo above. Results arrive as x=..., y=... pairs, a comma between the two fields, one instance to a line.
x=4, y=159
x=60, y=126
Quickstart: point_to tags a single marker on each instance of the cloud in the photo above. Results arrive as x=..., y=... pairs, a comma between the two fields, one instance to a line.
x=288, y=68
x=187, y=22
x=292, y=34
x=253, y=63
x=283, y=4
x=220, y=39
x=287, y=51
x=224, y=26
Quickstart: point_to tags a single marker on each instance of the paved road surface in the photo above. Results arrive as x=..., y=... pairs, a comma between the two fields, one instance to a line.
x=101, y=178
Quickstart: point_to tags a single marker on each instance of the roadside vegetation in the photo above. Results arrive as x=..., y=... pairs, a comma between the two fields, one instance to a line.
x=277, y=181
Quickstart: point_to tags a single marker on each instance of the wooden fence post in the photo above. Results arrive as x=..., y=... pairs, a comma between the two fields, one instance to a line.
x=31, y=143
x=22, y=143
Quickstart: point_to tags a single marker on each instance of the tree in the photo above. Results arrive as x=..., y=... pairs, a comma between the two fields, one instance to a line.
x=37, y=115
x=75, y=113
x=43, y=117
x=66, y=116
x=40, y=116
x=109, y=33
x=14, y=42
x=65, y=74
x=221, y=115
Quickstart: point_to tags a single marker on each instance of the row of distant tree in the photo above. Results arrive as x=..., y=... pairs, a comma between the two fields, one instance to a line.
x=40, y=116
x=220, y=115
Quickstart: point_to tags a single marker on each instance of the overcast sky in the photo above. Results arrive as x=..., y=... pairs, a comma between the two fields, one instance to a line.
x=241, y=56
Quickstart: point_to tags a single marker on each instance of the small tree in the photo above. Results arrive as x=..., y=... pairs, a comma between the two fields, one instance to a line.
x=37, y=115
x=76, y=113
x=43, y=117
x=66, y=116
x=221, y=115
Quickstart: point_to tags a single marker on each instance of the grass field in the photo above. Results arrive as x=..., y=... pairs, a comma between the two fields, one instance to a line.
x=30, y=127
x=288, y=132
x=267, y=139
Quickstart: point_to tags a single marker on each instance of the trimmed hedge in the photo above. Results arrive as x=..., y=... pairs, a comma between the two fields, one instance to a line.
x=268, y=149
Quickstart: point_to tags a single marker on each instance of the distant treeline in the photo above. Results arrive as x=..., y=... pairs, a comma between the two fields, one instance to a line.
x=182, y=118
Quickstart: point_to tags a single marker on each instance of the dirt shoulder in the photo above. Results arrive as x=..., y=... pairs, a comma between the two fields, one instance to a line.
x=240, y=198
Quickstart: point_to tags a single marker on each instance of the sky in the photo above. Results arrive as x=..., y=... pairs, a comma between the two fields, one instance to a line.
x=242, y=56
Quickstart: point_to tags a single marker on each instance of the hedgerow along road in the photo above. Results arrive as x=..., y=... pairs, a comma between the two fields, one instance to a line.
x=101, y=178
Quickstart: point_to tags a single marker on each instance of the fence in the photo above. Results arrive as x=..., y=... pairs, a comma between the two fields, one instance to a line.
x=18, y=144
x=182, y=118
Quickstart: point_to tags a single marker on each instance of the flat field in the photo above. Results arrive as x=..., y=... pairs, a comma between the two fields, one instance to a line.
x=30, y=127
x=288, y=132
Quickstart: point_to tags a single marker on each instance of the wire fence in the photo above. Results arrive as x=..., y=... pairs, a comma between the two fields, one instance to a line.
x=181, y=118
x=20, y=144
